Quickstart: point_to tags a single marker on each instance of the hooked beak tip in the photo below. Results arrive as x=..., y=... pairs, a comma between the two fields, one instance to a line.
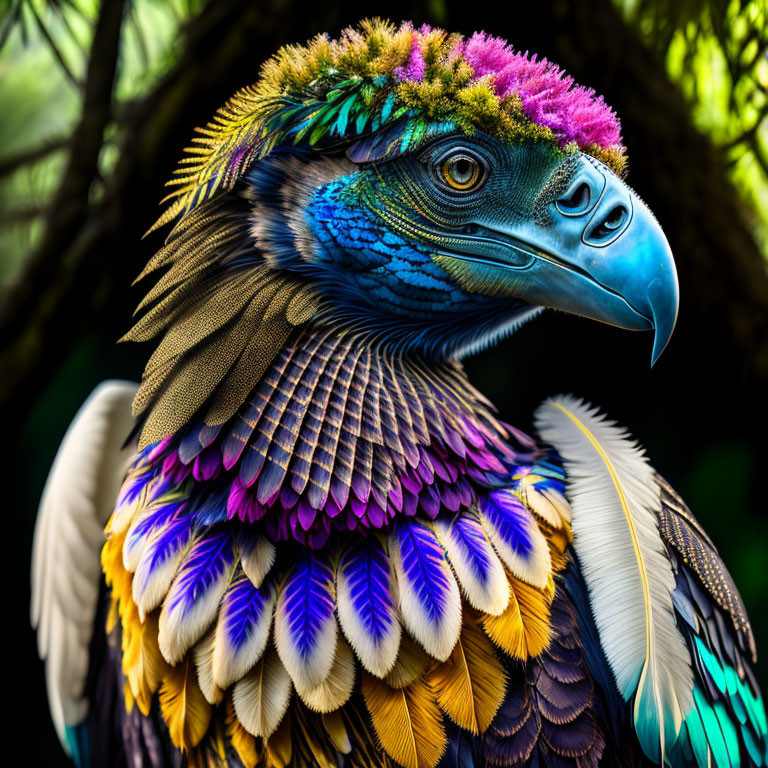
x=663, y=300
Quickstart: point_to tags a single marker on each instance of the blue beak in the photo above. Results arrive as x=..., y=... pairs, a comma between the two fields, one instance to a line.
x=601, y=254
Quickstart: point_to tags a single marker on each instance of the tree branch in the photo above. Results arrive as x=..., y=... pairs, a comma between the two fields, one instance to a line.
x=54, y=49
x=10, y=164
x=70, y=204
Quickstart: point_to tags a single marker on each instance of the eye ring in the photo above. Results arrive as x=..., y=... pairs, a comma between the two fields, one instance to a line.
x=461, y=172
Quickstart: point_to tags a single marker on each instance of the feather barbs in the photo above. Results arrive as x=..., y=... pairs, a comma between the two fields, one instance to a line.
x=264, y=647
x=616, y=500
x=334, y=91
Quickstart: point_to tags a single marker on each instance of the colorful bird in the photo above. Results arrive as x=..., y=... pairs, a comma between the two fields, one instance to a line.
x=322, y=546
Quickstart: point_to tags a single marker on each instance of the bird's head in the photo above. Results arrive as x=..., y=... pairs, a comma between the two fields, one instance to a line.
x=430, y=191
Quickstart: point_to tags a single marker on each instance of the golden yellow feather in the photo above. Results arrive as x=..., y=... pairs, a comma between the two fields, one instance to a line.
x=407, y=721
x=333, y=722
x=242, y=741
x=279, y=746
x=321, y=754
x=142, y=662
x=523, y=630
x=143, y=665
x=184, y=708
x=470, y=685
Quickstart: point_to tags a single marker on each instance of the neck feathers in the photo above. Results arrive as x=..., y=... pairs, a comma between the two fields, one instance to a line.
x=338, y=436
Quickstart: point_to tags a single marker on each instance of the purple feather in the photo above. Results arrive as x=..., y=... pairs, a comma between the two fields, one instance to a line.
x=510, y=519
x=243, y=608
x=209, y=557
x=474, y=547
x=424, y=567
x=306, y=600
x=369, y=580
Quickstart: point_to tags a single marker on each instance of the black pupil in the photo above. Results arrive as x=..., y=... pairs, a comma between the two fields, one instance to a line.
x=462, y=170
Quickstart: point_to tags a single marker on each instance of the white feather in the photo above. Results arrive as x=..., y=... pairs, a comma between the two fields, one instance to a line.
x=306, y=671
x=261, y=698
x=77, y=501
x=152, y=582
x=229, y=664
x=491, y=596
x=335, y=690
x=437, y=638
x=180, y=629
x=614, y=498
x=202, y=653
x=377, y=657
x=534, y=569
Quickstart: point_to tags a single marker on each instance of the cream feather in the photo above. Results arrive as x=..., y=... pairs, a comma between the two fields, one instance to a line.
x=336, y=689
x=77, y=501
x=491, y=594
x=202, y=653
x=257, y=560
x=614, y=498
x=180, y=629
x=261, y=698
x=231, y=663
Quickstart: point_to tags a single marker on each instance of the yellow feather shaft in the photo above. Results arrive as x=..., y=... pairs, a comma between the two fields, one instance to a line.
x=407, y=722
x=471, y=684
x=183, y=706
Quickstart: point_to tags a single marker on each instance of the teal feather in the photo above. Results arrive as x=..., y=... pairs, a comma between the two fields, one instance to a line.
x=733, y=688
x=343, y=118
x=386, y=110
x=712, y=665
x=753, y=747
x=698, y=737
x=712, y=730
x=730, y=735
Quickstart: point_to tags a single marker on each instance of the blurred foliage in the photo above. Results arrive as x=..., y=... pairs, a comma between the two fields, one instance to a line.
x=716, y=51
x=43, y=54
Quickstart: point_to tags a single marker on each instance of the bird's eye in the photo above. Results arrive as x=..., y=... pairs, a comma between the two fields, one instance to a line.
x=461, y=172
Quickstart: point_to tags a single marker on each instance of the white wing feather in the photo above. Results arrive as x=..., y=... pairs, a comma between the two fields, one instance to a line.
x=615, y=497
x=77, y=501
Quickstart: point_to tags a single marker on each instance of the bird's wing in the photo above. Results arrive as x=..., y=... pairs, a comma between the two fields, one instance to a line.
x=671, y=625
x=78, y=498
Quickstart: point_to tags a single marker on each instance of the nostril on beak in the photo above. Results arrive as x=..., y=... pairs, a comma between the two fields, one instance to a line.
x=575, y=201
x=606, y=226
